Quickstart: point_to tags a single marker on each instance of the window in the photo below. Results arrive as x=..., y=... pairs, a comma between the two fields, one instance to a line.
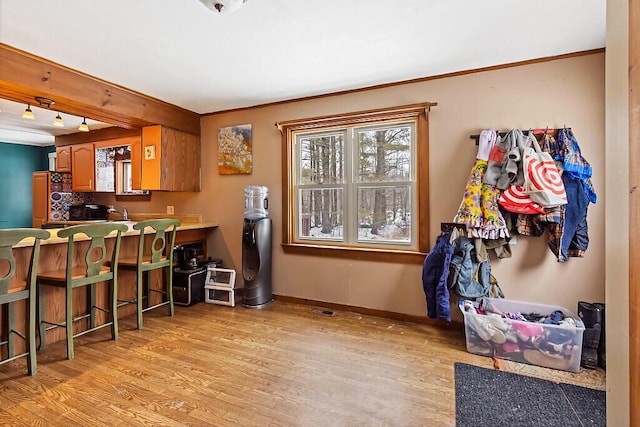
x=357, y=183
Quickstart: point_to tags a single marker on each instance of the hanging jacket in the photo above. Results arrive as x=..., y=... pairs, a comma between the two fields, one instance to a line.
x=435, y=273
x=570, y=238
x=468, y=277
x=574, y=163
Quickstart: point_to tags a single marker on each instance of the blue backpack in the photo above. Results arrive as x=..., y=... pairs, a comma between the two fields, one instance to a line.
x=467, y=277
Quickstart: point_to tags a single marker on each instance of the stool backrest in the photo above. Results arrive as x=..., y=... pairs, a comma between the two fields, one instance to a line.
x=9, y=238
x=158, y=246
x=96, y=254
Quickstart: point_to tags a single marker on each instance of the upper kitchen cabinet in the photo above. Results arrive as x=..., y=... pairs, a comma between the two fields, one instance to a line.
x=63, y=159
x=170, y=159
x=83, y=173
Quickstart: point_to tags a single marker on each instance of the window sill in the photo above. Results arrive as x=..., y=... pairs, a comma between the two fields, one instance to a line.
x=357, y=253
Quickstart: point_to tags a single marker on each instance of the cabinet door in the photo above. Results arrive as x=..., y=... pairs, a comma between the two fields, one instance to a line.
x=63, y=159
x=151, y=153
x=170, y=159
x=82, y=159
x=136, y=164
x=40, y=202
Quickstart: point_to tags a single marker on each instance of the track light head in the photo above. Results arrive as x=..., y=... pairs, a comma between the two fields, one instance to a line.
x=28, y=114
x=83, y=126
x=58, y=121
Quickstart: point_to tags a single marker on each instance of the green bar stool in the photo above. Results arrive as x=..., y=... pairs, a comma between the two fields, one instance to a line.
x=153, y=254
x=12, y=290
x=92, y=270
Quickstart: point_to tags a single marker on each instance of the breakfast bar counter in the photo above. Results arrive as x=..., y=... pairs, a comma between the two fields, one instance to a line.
x=53, y=255
x=54, y=239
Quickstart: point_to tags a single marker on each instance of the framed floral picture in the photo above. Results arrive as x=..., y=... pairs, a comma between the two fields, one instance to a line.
x=235, y=150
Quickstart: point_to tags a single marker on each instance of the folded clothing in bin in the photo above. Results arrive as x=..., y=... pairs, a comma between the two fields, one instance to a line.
x=538, y=334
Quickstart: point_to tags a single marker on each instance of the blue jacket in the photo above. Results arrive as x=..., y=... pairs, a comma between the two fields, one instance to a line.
x=435, y=273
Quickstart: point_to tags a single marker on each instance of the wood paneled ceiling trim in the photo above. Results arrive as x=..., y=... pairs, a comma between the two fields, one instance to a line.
x=24, y=76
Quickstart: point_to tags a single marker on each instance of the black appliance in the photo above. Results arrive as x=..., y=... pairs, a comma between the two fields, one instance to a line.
x=256, y=262
x=187, y=257
x=87, y=212
x=188, y=285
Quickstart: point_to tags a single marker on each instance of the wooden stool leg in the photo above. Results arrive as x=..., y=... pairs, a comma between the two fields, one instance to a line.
x=148, y=283
x=170, y=290
x=113, y=296
x=139, y=284
x=69, y=321
x=92, y=306
x=11, y=326
x=42, y=331
x=30, y=329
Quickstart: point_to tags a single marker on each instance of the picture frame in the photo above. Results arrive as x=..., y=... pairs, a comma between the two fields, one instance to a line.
x=235, y=150
x=149, y=152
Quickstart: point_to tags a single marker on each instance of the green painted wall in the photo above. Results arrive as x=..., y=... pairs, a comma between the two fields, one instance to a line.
x=17, y=163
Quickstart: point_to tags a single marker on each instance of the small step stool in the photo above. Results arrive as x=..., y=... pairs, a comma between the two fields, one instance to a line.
x=219, y=286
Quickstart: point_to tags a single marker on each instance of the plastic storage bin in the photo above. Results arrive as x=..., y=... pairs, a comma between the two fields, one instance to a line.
x=219, y=287
x=535, y=343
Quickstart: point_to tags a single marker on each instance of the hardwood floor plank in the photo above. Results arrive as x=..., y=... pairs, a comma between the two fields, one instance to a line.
x=285, y=365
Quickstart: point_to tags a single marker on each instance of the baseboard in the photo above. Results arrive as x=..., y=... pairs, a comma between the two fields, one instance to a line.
x=454, y=325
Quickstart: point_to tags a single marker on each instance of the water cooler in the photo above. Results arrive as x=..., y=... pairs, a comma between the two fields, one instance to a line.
x=256, y=248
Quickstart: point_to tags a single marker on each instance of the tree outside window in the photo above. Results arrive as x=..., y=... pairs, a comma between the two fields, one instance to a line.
x=356, y=183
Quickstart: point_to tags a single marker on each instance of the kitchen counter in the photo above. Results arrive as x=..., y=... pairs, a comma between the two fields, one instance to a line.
x=54, y=239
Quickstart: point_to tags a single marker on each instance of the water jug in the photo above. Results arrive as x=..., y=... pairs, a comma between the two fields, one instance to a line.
x=256, y=202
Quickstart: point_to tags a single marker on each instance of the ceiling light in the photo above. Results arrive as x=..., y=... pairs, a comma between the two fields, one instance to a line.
x=58, y=121
x=223, y=6
x=83, y=126
x=28, y=114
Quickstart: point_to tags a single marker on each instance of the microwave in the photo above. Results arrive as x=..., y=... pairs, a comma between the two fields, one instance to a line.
x=87, y=212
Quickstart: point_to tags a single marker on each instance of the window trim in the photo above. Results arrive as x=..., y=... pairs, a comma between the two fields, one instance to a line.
x=417, y=112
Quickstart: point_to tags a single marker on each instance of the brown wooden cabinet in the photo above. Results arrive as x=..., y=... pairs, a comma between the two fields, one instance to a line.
x=170, y=160
x=63, y=159
x=136, y=164
x=83, y=173
x=40, y=199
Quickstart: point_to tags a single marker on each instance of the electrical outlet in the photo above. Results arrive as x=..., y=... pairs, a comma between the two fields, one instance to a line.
x=169, y=210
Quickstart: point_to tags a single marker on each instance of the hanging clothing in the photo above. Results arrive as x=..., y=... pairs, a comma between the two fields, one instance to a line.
x=479, y=209
x=570, y=237
x=574, y=164
x=505, y=162
x=435, y=273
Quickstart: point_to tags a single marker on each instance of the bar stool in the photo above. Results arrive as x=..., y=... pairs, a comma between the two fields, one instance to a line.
x=19, y=290
x=90, y=272
x=154, y=255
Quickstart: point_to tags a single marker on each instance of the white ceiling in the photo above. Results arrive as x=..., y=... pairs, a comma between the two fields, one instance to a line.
x=271, y=50
x=40, y=131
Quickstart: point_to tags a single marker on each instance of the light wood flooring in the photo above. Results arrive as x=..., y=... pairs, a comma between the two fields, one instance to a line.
x=285, y=365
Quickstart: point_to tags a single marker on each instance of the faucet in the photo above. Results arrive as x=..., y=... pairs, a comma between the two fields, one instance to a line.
x=124, y=213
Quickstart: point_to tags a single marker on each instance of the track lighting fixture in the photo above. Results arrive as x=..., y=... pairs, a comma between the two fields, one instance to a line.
x=58, y=121
x=28, y=114
x=83, y=126
x=45, y=102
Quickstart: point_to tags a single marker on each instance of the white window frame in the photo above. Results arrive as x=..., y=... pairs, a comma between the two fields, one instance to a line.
x=351, y=185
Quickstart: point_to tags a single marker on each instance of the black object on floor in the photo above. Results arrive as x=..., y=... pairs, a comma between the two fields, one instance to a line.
x=489, y=397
